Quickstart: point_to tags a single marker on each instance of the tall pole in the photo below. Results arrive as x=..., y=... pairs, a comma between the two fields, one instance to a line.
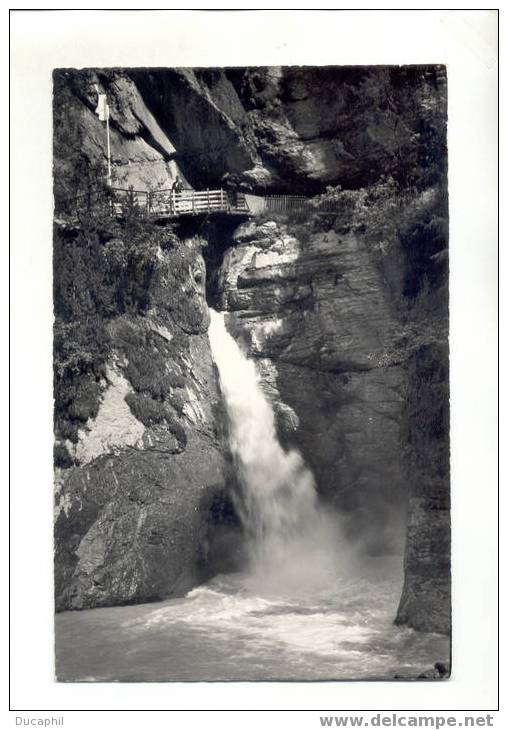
x=109, y=145
x=102, y=111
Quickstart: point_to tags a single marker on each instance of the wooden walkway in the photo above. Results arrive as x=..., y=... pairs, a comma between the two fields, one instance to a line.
x=168, y=204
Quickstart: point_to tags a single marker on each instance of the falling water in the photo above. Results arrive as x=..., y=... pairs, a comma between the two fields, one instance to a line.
x=292, y=542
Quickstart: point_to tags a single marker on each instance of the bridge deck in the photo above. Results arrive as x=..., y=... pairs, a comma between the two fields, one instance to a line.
x=170, y=204
x=162, y=204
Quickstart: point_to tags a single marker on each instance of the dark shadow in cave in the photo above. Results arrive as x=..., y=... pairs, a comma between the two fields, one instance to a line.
x=217, y=232
x=224, y=548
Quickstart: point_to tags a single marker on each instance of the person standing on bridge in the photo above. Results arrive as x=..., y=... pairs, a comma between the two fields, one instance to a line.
x=176, y=189
x=232, y=198
x=177, y=186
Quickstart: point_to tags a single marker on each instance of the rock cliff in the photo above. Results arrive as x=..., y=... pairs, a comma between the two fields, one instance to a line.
x=142, y=156
x=346, y=315
x=426, y=601
x=140, y=453
x=283, y=129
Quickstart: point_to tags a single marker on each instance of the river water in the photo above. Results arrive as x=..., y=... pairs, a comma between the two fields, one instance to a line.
x=229, y=630
x=310, y=606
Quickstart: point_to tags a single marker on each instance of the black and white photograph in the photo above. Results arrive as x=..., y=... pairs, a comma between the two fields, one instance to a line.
x=250, y=280
x=254, y=385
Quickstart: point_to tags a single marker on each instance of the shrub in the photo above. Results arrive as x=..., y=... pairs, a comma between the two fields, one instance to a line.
x=144, y=370
x=61, y=457
x=68, y=430
x=178, y=432
x=172, y=380
x=146, y=409
x=301, y=231
x=79, y=351
x=177, y=401
x=151, y=412
x=85, y=403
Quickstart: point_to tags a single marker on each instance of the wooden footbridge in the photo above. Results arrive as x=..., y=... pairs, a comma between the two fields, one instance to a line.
x=169, y=204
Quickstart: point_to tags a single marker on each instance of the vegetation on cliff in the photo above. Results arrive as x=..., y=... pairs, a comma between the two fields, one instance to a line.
x=103, y=268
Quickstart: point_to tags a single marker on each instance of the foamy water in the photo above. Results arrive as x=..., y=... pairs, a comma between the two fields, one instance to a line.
x=228, y=630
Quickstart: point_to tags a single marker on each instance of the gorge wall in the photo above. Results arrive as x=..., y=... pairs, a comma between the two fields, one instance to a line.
x=345, y=314
x=141, y=465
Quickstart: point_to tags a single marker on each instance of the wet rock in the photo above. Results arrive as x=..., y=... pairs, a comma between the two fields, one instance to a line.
x=426, y=596
x=132, y=527
x=440, y=670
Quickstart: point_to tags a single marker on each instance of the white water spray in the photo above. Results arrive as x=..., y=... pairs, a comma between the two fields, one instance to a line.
x=293, y=544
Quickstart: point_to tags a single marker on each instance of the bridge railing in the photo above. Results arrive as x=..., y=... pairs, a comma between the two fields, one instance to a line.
x=287, y=203
x=298, y=204
x=170, y=203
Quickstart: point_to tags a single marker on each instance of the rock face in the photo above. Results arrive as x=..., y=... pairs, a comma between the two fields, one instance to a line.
x=134, y=509
x=205, y=119
x=262, y=129
x=426, y=601
x=316, y=125
x=142, y=156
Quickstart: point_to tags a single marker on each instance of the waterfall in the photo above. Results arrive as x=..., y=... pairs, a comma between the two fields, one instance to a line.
x=293, y=544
